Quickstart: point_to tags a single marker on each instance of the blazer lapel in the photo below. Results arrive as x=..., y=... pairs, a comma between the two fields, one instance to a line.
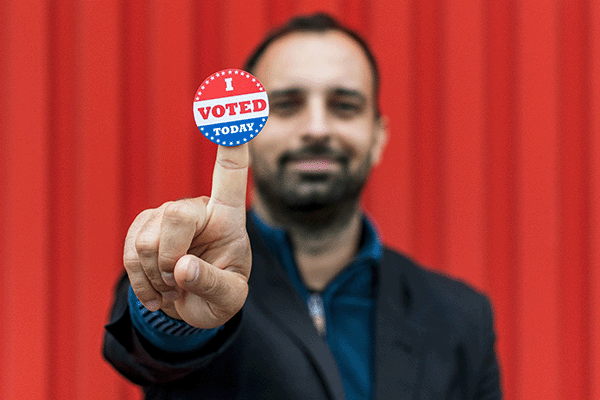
x=399, y=341
x=285, y=306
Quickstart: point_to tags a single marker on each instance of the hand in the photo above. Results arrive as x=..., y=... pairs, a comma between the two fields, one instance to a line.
x=191, y=258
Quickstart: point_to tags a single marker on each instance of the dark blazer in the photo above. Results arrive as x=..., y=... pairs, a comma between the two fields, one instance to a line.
x=434, y=339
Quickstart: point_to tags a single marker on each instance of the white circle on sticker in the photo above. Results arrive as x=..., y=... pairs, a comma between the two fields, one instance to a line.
x=230, y=107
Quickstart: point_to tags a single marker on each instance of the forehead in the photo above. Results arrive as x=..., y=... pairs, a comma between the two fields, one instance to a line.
x=315, y=60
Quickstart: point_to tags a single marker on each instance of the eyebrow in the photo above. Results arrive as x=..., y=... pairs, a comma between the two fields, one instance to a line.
x=336, y=91
x=285, y=92
x=350, y=93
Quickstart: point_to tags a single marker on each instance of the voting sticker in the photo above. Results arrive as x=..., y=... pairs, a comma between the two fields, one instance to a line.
x=231, y=107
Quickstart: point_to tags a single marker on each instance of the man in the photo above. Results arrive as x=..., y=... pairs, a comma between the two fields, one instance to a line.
x=328, y=312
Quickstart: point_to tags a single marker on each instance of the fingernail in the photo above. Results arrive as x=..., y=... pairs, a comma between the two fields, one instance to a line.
x=171, y=295
x=192, y=271
x=168, y=278
x=152, y=305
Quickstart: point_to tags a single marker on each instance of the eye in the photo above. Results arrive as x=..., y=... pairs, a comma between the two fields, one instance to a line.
x=345, y=107
x=285, y=106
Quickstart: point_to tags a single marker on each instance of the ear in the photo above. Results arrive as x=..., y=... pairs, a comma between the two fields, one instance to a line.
x=380, y=139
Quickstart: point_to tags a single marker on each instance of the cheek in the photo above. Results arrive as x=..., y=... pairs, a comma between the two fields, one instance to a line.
x=261, y=147
x=258, y=164
x=264, y=153
x=272, y=139
x=359, y=139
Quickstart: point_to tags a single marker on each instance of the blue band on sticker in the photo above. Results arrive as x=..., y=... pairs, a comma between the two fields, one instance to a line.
x=233, y=133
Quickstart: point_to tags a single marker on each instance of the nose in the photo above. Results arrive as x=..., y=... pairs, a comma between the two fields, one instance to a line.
x=317, y=122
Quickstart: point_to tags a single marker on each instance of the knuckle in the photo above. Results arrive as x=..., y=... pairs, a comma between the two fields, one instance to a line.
x=234, y=303
x=143, y=216
x=167, y=260
x=239, y=293
x=231, y=164
x=208, y=282
x=180, y=212
x=200, y=202
x=146, y=214
x=131, y=263
x=141, y=219
x=146, y=245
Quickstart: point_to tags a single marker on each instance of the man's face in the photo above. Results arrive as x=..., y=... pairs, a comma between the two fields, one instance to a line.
x=322, y=136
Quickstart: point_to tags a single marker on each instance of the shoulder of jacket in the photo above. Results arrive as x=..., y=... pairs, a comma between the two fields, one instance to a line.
x=448, y=301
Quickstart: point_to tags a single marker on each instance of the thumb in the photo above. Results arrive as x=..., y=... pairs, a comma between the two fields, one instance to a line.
x=223, y=291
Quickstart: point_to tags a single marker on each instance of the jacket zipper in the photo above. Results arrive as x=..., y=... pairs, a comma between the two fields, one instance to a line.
x=316, y=310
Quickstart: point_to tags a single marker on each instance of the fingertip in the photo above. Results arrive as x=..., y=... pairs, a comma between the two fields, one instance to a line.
x=187, y=270
x=170, y=296
x=143, y=290
x=192, y=271
x=168, y=278
x=152, y=305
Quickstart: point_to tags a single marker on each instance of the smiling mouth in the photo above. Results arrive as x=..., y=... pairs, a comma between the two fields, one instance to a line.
x=315, y=160
x=314, y=165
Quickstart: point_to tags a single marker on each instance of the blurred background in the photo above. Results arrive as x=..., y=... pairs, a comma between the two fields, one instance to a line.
x=492, y=173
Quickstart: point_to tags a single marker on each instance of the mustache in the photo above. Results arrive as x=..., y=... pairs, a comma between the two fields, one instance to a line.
x=313, y=151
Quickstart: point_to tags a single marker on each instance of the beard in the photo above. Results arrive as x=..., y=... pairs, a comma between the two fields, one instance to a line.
x=312, y=199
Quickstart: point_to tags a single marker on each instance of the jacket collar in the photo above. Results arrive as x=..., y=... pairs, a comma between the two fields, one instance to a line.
x=398, y=339
x=285, y=306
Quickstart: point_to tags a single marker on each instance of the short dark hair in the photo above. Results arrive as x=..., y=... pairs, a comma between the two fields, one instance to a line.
x=319, y=22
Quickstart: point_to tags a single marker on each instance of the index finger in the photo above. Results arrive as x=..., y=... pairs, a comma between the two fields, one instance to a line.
x=230, y=176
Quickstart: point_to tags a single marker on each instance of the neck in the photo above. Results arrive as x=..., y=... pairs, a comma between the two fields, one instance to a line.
x=321, y=257
x=321, y=251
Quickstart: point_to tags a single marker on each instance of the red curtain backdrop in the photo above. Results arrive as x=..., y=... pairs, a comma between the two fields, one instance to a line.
x=492, y=173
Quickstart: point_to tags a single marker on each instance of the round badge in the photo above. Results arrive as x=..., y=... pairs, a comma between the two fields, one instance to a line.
x=231, y=107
